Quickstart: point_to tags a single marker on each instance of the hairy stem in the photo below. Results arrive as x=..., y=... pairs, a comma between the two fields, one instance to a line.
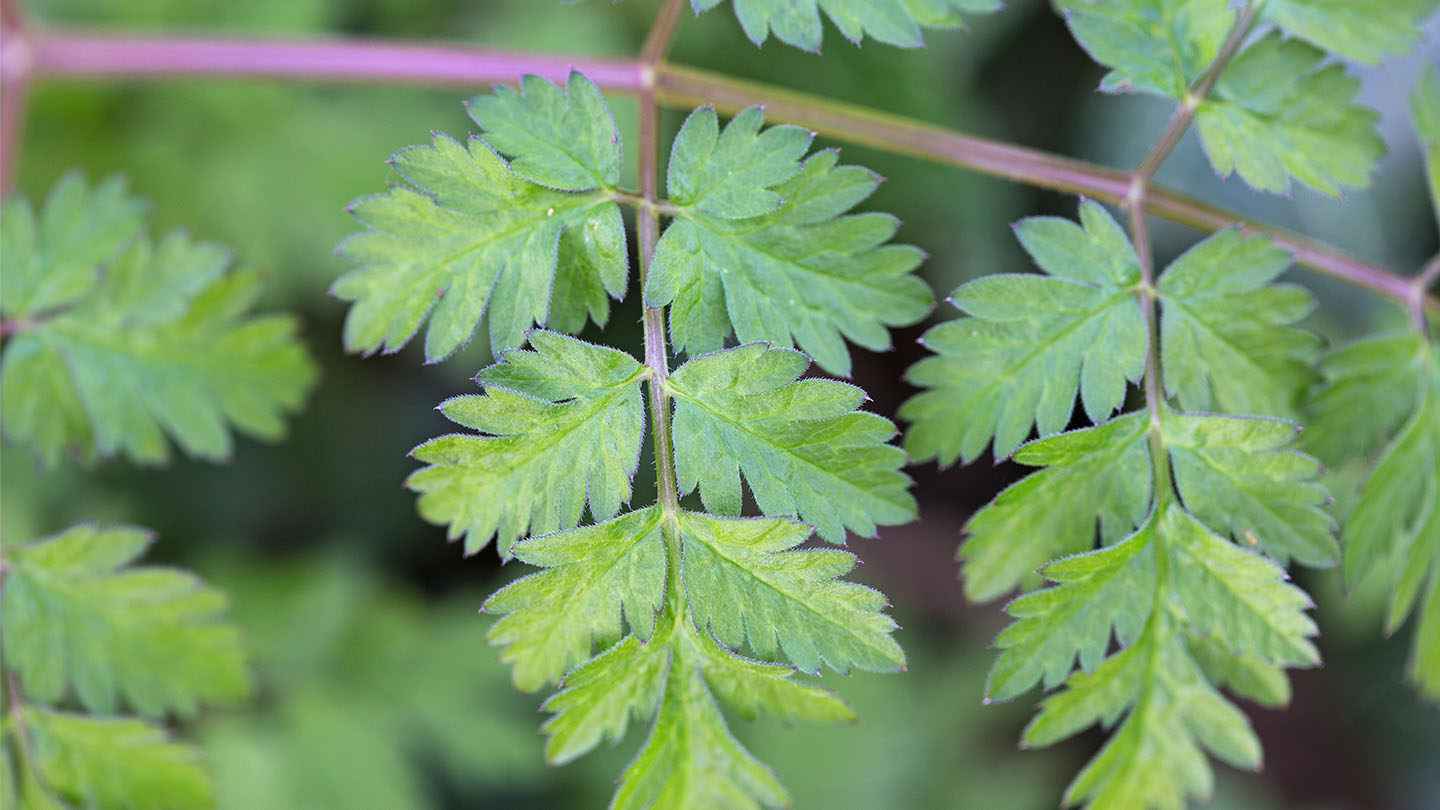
x=62, y=53
x=657, y=351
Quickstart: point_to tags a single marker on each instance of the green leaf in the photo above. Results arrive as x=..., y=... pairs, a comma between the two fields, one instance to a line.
x=559, y=138
x=600, y=697
x=1155, y=759
x=797, y=22
x=1369, y=391
x=1226, y=333
x=562, y=426
x=1095, y=592
x=1103, y=471
x=1239, y=476
x=750, y=687
x=1388, y=387
x=554, y=618
x=474, y=236
x=1425, y=106
x=1362, y=30
x=1150, y=46
x=1032, y=342
x=1280, y=111
x=690, y=759
x=55, y=259
x=760, y=247
x=110, y=763
x=948, y=13
x=803, y=448
x=118, y=342
x=730, y=175
x=76, y=617
x=1206, y=588
x=747, y=586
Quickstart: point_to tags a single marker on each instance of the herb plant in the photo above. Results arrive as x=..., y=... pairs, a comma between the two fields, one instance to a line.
x=1149, y=547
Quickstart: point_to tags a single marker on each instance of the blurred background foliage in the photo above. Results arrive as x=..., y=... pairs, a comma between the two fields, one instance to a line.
x=376, y=689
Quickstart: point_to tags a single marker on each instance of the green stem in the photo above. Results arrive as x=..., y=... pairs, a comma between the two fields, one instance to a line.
x=656, y=349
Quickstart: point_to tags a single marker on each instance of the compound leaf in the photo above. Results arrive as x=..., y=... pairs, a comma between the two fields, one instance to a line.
x=1172, y=712
x=1368, y=392
x=472, y=236
x=895, y=22
x=1151, y=46
x=562, y=427
x=803, y=448
x=746, y=585
x=761, y=248
x=593, y=573
x=564, y=139
x=1226, y=334
x=1155, y=759
x=1239, y=476
x=690, y=759
x=1094, y=592
x=731, y=174
x=52, y=260
x=77, y=617
x=1032, y=342
x=599, y=697
x=1281, y=111
x=109, y=763
x=1104, y=470
x=1395, y=526
x=118, y=342
x=1362, y=30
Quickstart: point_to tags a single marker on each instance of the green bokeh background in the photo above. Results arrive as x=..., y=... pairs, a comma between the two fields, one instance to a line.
x=377, y=690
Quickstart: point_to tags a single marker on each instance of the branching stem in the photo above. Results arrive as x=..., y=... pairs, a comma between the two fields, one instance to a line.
x=61, y=53
x=1196, y=93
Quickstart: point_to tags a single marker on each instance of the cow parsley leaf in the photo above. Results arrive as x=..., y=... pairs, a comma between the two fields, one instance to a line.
x=738, y=578
x=564, y=139
x=475, y=234
x=116, y=342
x=1280, y=110
x=761, y=246
x=77, y=618
x=110, y=763
x=1226, y=332
x=1394, y=529
x=1173, y=579
x=747, y=586
x=83, y=625
x=895, y=22
x=598, y=572
x=562, y=425
x=1031, y=342
x=1362, y=30
x=1150, y=46
x=802, y=446
x=1105, y=471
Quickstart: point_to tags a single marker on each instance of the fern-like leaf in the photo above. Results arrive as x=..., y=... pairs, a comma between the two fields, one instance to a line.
x=895, y=22
x=476, y=235
x=117, y=342
x=761, y=246
x=1278, y=111
x=76, y=617
x=545, y=411
x=802, y=446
